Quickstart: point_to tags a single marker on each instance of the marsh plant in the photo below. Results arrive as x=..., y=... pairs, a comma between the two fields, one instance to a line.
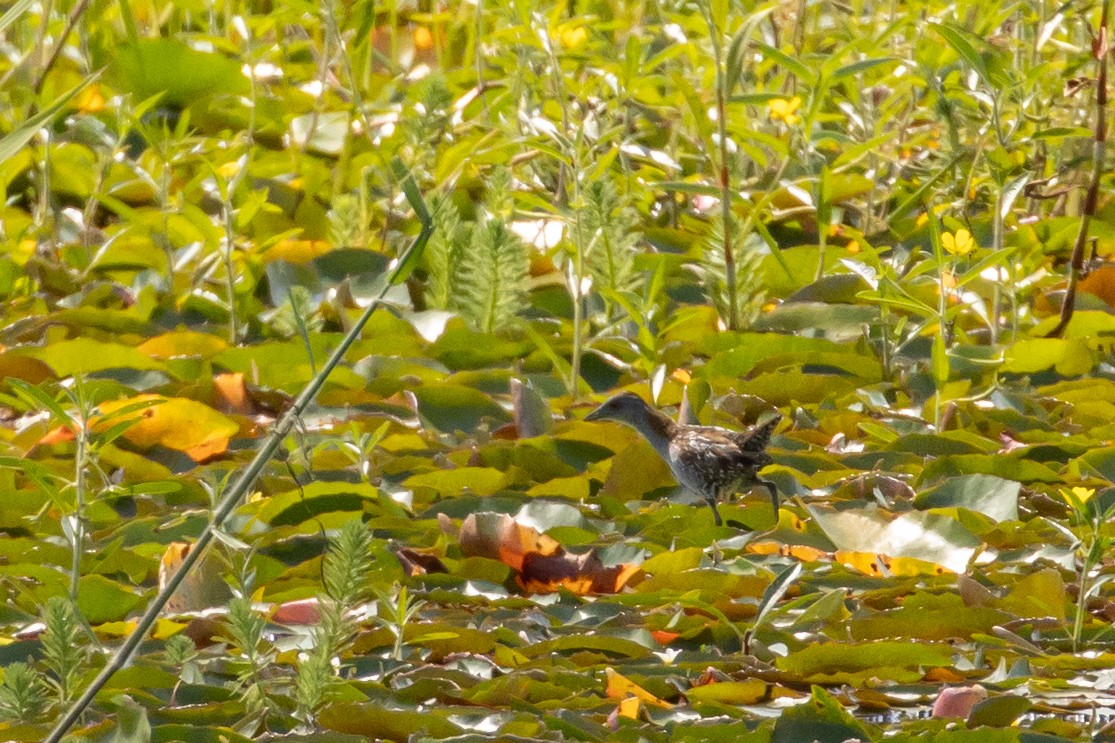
x=345, y=573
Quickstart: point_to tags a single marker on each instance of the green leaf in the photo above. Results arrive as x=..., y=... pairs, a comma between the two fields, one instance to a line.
x=855, y=68
x=822, y=720
x=775, y=591
x=132, y=724
x=37, y=397
x=1069, y=357
x=1039, y=594
x=833, y=657
x=177, y=71
x=738, y=46
x=17, y=9
x=999, y=712
x=412, y=257
x=936, y=539
x=375, y=721
x=1058, y=132
x=479, y=480
x=102, y=600
x=453, y=407
x=986, y=494
x=14, y=140
x=960, y=43
x=85, y=355
x=795, y=67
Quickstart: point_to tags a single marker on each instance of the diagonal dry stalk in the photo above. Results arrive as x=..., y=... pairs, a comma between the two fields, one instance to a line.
x=1099, y=146
x=235, y=494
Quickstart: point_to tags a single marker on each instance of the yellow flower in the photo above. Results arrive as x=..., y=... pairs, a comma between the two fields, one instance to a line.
x=783, y=110
x=960, y=243
x=90, y=100
x=1083, y=494
x=423, y=37
x=573, y=37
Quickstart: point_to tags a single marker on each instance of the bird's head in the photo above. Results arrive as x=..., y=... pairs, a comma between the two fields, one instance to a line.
x=626, y=407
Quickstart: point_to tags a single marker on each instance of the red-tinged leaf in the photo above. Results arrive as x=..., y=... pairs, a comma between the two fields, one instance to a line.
x=302, y=611
x=542, y=564
x=958, y=701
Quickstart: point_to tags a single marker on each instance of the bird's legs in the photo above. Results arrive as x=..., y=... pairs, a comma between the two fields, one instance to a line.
x=715, y=513
x=712, y=502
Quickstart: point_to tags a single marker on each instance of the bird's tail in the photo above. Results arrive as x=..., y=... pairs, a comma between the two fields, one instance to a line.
x=758, y=436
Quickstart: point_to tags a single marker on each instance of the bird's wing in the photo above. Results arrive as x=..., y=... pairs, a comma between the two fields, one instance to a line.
x=717, y=452
x=756, y=438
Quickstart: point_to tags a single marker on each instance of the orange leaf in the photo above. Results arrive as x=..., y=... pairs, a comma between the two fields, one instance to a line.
x=60, y=435
x=419, y=563
x=542, y=563
x=176, y=423
x=579, y=574
x=500, y=537
x=232, y=394
x=1101, y=283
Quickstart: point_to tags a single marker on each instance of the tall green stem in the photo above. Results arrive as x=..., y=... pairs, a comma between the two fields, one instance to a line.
x=78, y=523
x=723, y=179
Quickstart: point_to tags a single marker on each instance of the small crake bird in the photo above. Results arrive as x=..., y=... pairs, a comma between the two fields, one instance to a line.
x=708, y=460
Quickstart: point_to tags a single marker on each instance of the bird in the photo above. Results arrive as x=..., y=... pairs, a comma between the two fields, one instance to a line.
x=708, y=460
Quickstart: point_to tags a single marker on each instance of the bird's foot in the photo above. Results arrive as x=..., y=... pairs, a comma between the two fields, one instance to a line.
x=715, y=513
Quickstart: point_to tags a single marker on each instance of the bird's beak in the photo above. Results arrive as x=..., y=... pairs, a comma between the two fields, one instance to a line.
x=596, y=415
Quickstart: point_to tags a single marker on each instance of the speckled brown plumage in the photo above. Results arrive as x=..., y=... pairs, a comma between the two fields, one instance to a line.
x=708, y=460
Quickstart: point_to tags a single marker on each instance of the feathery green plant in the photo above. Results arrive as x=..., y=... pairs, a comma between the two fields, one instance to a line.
x=348, y=564
x=432, y=117
x=496, y=267
x=495, y=276
x=65, y=650
x=179, y=649
x=499, y=199
x=245, y=630
x=23, y=695
x=181, y=653
x=746, y=281
x=611, y=226
x=444, y=254
x=345, y=573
